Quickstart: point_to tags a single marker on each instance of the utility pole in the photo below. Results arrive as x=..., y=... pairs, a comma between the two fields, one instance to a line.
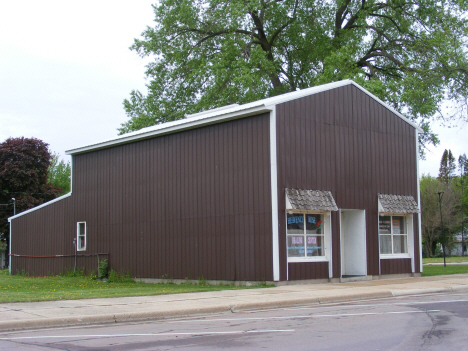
x=441, y=194
x=14, y=206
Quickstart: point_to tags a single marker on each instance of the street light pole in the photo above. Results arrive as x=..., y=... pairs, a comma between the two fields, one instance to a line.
x=441, y=194
x=14, y=206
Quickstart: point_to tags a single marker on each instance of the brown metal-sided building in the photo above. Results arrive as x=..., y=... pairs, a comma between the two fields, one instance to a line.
x=317, y=184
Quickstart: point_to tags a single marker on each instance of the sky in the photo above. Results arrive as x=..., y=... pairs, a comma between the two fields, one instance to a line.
x=66, y=67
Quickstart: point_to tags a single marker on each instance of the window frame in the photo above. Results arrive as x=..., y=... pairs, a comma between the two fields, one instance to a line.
x=78, y=235
x=408, y=233
x=326, y=240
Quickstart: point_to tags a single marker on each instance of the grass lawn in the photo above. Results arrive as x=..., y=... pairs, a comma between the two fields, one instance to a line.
x=441, y=270
x=447, y=259
x=17, y=288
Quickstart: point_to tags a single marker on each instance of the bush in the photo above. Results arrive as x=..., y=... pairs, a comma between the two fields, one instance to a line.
x=103, y=269
x=115, y=277
x=79, y=272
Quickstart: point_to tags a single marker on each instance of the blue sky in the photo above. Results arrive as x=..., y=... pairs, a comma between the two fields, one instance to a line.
x=65, y=68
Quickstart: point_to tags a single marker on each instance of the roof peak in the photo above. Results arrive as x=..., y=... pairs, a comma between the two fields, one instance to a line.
x=226, y=113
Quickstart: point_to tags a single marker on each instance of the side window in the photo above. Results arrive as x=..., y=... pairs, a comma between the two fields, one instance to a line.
x=81, y=236
x=393, y=235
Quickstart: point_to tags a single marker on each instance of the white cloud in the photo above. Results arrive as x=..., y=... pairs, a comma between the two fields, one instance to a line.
x=65, y=68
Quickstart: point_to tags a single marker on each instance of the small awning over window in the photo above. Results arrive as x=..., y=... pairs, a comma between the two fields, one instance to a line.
x=397, y=204
x=310, y=200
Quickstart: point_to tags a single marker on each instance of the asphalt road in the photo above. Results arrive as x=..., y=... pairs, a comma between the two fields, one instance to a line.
x=427, y=322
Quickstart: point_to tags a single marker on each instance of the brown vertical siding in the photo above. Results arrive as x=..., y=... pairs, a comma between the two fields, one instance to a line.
x=44, y=233
x=308, y=270
x=344, y=141
x=187, y=205
x=395, y=266
x=197, y=203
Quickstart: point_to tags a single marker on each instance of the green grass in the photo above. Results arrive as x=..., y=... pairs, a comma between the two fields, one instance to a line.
x=17, y=288
x=441, y=270
x=453, y=259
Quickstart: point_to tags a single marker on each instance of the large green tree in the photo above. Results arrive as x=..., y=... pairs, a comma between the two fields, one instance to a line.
x=209, y=53
x=59, y=173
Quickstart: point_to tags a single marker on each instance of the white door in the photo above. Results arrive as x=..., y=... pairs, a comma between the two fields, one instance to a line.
x=353, y=243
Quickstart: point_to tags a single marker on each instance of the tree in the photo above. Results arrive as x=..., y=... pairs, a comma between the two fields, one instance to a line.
x=210, y=53
x=430, y=212
x=59, y=174
x=447, y=167
x=24, y=164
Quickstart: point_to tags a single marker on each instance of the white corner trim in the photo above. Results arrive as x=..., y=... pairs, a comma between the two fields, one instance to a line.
x=71, y=175
x=419, y=203
x=9, y=251
x=40, y=206
x=378, y=239
x=330, y=246
x=274, y=195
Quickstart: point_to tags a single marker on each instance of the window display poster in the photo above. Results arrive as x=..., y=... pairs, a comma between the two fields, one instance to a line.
x=396, y=226
x=296, y=246
x=297, y=240
x=385, y=225
x=295, y=218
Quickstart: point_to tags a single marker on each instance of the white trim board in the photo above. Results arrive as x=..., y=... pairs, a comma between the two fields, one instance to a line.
x=274, y=196
x=40, y=206
x=176, y=126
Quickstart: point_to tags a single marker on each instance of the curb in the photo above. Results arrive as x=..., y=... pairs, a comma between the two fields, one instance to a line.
x=105, y=318
x=154, y=315
x=140, y=316
x=458, y=288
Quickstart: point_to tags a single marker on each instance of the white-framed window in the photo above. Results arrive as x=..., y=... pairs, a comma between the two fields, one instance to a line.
x=305, y=236
x=393, y=232
x=81, y=236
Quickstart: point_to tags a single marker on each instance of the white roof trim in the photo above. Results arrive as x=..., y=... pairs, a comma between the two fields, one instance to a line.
x=210, y=117
x=40, y=206
x=212, y=110
x=226, y=113
x=418, y=128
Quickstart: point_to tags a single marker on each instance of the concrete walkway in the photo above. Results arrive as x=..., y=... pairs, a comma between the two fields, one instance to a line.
x=24, y=315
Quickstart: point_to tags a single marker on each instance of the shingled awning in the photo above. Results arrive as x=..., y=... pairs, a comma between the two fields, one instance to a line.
x=397, y=204
x=310, y=200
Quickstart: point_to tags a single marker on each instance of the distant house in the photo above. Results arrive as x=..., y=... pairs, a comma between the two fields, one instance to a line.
x=459, y=243
x=316, y=184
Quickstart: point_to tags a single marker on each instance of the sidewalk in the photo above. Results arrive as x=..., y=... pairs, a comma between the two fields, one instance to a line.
x=25, y=315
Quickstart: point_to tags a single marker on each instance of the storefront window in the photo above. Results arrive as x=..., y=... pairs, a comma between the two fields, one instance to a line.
x=393, y=235
x=305, y=235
